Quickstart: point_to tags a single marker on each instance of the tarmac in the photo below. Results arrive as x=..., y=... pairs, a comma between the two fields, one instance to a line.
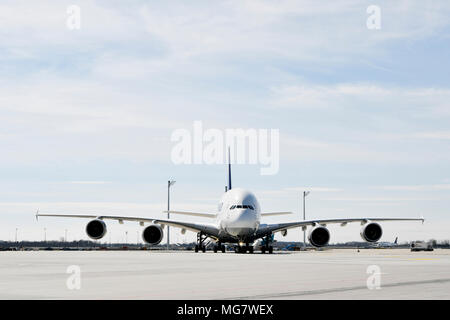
x=327, y=274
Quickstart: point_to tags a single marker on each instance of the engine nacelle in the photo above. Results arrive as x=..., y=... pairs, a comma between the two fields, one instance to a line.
x=319, y=236
x=96, y=229
x=153, y=234
x=371, y=232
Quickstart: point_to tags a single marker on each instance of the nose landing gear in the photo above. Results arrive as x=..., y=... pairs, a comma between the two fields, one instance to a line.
x=243, y=249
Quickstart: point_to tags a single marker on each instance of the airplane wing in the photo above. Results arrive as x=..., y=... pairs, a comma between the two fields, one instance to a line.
x=265, y=229
x=208, y=229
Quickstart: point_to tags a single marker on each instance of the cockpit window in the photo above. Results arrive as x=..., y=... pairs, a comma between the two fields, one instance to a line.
x=243, y=206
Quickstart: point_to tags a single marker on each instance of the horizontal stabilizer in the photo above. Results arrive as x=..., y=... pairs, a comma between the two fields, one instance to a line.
x=275, y=213
x=195, y=214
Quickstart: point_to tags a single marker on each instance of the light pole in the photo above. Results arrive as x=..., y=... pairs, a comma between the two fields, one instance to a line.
x=305, y=193
x=65, y=235
x=16, y=235
x=169, y=184
x=126, y=237
x=45, y=234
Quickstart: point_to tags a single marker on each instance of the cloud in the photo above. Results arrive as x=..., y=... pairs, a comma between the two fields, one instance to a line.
x=442, y=135
x=361, y=149
x=103, y=98
x=431, y=187
x=89, y=182
x=290, y=190
x=381, y=199
x=168, y=36
x=314, y=189
x=361, y=95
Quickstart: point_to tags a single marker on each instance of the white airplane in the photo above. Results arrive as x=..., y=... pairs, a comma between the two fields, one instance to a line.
x=238, y=221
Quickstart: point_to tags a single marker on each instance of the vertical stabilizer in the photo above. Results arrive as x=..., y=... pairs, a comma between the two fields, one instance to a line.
x=229, y=170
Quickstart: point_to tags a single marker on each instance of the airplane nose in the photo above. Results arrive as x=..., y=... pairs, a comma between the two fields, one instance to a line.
x=242, y=222
x=244, y=216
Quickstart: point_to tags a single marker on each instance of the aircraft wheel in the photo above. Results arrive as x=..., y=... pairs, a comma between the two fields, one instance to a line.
x=203, y=249
x=250, y=249
x=196, y=248
x=270, y=250
x=239, y=249
x=263, y=250
x=215, y=249
x=222, y=247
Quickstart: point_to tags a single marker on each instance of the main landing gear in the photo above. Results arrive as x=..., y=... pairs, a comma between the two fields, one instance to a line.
x=266, y=247
x=269, y=249
x=201, y=244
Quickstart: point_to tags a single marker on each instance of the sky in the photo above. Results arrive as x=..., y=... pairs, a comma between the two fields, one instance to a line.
x=87, y=114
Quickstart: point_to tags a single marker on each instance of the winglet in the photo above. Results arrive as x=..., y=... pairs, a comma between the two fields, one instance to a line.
x=37, y=215
x=423, y=219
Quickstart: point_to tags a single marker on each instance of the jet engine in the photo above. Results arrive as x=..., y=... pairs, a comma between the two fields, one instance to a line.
x=371, y=232
x=96, y=229
x=319, y=236
x=153, y=234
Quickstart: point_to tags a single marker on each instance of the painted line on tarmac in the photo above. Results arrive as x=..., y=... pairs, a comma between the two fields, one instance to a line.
x=335, y=290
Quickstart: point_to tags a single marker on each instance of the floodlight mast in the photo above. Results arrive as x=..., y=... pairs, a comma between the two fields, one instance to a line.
x=169, y=184
x=305, y=193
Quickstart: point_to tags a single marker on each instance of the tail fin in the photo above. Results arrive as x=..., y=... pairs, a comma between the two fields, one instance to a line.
x=396, y=240
x=229, y=170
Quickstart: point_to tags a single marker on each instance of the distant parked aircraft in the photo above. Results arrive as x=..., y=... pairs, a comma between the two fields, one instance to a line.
x=387, y=244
